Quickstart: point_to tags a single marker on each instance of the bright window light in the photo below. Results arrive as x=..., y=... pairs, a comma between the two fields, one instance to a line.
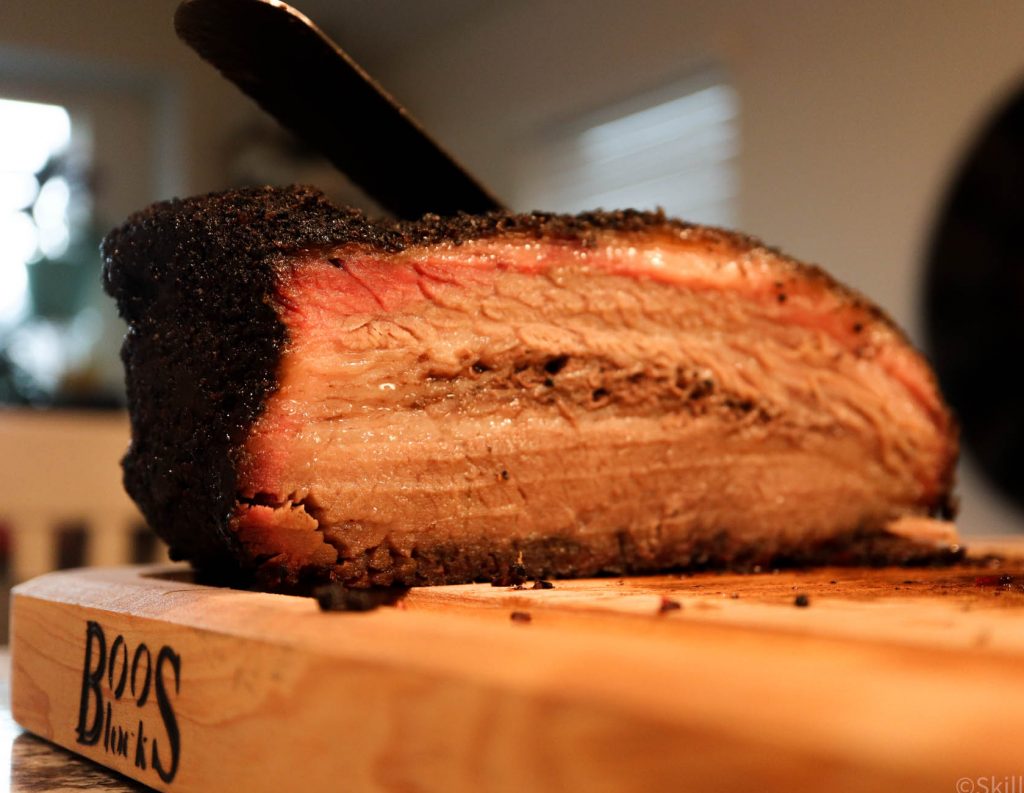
x=33, y=217
x=17, y=191
x=51, y=216
x=30, y=133
x=18, y=241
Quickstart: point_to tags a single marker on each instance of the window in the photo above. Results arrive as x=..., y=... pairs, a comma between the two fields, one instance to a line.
x=112, y=135
x=34, y=195
x=675, y=148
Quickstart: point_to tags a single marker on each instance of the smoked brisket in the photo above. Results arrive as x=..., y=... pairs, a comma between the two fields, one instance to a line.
x=316, y=396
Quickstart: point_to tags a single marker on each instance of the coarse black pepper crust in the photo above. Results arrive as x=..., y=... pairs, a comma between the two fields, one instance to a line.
x=194, y=278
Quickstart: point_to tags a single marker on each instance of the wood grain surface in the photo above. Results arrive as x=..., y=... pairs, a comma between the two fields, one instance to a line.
x=885, y=679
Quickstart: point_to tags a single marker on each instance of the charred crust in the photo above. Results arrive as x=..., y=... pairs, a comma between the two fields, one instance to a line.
x=338, y=597
x=515, y=563
x=182, y=272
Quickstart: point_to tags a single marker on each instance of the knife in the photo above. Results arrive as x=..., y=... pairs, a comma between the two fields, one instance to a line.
x=281, y=59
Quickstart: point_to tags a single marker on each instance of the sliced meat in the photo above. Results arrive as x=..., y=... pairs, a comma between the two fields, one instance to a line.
x=316, y=396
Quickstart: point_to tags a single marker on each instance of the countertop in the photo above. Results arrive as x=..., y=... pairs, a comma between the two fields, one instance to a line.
x=846, y=679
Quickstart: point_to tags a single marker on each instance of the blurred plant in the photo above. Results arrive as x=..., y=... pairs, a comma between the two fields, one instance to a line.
x=17, y=386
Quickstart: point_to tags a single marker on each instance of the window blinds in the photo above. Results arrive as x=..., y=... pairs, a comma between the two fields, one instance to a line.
x=675, y=149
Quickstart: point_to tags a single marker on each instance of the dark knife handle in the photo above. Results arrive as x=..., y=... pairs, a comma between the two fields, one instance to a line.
x=310, y=85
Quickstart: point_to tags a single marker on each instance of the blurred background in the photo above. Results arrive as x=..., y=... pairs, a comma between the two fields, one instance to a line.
x=884, y=140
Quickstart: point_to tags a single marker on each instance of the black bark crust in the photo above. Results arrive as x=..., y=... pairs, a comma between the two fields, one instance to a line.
x=514, y=562
x=195, y=280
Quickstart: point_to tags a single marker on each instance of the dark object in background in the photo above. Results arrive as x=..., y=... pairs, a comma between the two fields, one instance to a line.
x=974, y=299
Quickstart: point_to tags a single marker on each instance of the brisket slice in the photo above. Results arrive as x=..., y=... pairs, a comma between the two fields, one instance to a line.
x=316, y=396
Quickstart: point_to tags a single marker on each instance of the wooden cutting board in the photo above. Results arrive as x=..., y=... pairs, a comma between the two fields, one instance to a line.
x=907, y=679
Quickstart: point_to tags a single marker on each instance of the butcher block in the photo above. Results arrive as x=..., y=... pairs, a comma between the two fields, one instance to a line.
x=835, y=679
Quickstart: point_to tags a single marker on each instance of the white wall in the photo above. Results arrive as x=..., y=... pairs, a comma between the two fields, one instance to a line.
x=853, y=114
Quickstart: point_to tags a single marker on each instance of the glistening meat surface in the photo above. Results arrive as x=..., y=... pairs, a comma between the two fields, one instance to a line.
x=448, y=401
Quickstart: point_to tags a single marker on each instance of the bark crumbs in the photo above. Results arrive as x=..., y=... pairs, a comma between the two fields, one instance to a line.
x=515, y=576
x=336, y=597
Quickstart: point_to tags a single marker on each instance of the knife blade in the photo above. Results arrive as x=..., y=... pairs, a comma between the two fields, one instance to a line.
x=278, y=57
